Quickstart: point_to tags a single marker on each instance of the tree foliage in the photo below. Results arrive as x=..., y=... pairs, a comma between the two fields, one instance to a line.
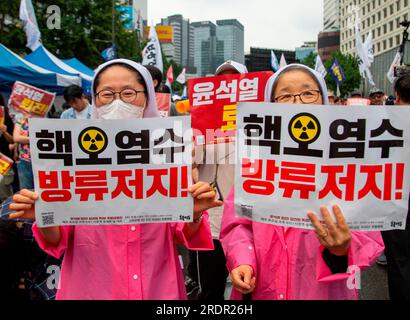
x=86, y=30
x=350, y=67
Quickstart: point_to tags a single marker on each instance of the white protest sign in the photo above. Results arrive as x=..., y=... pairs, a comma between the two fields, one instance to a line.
x=292, y=159
x=95, y=172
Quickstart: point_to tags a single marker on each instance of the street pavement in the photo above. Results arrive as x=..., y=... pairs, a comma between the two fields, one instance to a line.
x=374, y=283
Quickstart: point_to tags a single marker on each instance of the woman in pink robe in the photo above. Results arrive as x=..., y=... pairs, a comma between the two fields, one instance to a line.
x=278, y=263
x=130, y=261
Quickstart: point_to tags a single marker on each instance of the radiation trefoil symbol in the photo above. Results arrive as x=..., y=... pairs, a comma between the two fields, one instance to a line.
x=92, y=140
x=304, y=128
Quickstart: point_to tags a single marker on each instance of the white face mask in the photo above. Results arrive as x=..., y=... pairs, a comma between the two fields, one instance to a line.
x=119, y=109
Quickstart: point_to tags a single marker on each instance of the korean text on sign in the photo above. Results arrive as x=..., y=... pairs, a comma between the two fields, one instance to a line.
x=31, y=100
x=293, y=159
x=112, y=172
x=213, y=103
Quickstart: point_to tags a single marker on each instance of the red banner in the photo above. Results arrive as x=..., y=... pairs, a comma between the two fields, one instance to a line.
x=30, y=100
x=213, y=103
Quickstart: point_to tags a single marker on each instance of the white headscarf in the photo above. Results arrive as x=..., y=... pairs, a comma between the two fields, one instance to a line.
x=272, y=80
x=151, y=110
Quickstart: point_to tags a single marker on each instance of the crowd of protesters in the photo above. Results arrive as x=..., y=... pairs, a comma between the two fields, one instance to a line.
x=220, y=246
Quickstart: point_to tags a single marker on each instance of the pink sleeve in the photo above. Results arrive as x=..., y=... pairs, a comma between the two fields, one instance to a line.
x=365, y=248
x=201, y=241
x=237, y=237
x=57, y=251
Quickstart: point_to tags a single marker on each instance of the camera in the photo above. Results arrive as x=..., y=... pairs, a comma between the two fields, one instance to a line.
x=400, y=71
x=405, y=24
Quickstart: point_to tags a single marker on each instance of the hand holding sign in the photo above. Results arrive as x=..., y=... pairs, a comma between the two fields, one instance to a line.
x=23, y=205
x=335, y=237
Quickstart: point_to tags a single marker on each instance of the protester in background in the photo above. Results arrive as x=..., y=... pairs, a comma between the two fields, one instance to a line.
x=6, y=139
x=338, y=101
x=343, y=101
x=37, y=261
x=280, y=263
x=65, y=106
x=397, y=242
x=356, y=94
x=11, y=238
x=80, y=107
x=24, y=168
x=231, y=67
x=123, y=262
x=166, y=89
x=156, y=75
x=402, y=90
x=332, y=98
x=390, y=101
x=215, y=165
x=377, y=97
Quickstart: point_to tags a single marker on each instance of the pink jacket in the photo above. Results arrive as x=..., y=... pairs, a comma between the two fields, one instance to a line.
x=287, y=261
x=124, y=262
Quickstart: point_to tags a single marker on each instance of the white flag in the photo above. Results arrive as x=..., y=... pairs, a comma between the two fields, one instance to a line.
x=274, y=61
x=283, y=62
x=396, y=62
x=368, y=45
x=319, y=67
x=365, y=53
x=28, y=16
x=181, y=78
x=152, y=52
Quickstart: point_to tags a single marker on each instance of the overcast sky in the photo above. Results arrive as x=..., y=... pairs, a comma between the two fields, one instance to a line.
x=281, y=24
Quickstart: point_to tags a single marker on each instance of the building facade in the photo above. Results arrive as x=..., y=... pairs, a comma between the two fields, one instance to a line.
x=331, y=14
x=329, y=39
x=182, y=40
x=230, y=36
x=382, y=18
x=141, y=6
x=216, y=43
x=305, y=50
x=259, y=59
x=328, y=42
x=204, y=47
x=140, y=13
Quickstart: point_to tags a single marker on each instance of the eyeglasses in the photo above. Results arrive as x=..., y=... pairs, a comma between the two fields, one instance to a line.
x=126, y=95
x=309, y=96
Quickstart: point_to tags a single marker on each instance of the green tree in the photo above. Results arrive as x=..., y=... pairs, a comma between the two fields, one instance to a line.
x=86, y=30
x=177, y=69
x=350, y=67
x=310, y=60
x=11, y=35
